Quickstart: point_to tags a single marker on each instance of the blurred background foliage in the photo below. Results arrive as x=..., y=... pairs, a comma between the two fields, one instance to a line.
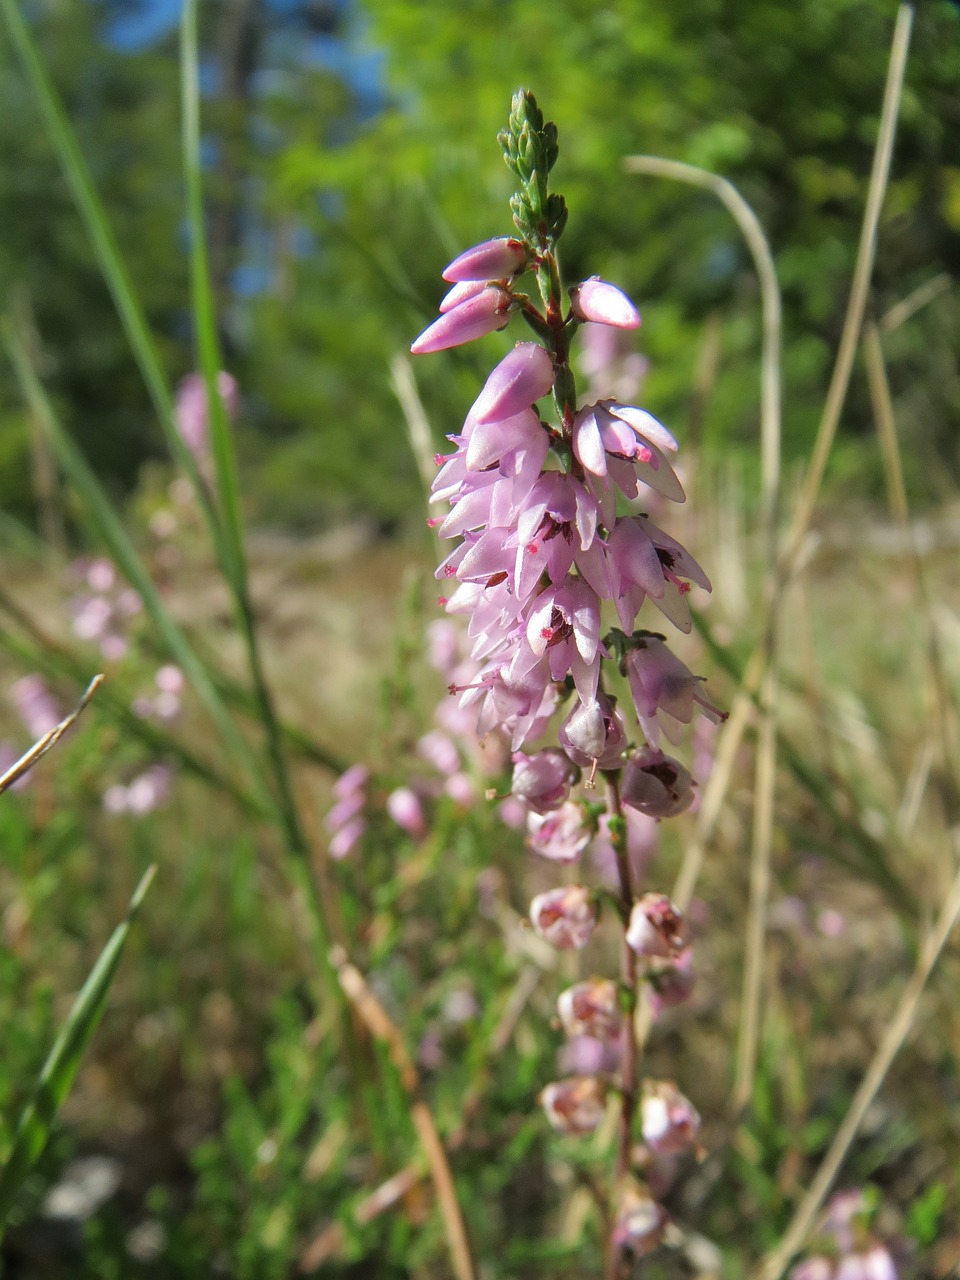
x=351, y=152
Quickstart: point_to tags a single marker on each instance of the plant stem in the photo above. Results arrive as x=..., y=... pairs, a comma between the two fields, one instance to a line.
x=628, y=974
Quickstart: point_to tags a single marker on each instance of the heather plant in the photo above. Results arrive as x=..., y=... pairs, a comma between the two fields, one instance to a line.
x=542, y=550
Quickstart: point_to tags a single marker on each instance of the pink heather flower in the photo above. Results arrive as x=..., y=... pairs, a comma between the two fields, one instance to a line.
x=620, y=443
x=142, y=795
x=593, y=734
x=461, y=789
x=404, y=807
x=149, y=790
x=604, y=304
x=654, y=929
x=169, y=679
x=587, y=1056
x=846, y=1211
x=101, y=576
x=817, y=1268
x=469, y=319
x=345, y=810
x=519, y=381
x=35, y=705
x=590, y=1008
x=345, y=820
x=669, y=1121
x=192, y=412
x=115, y=798
x=640, y=1222
x=92, y=618
x=439, y=750
x=613, y=370
x=664, y=690
x=354, y=780
x=575, y=1105
x=492, y=260
x=566, y=917
x=113, y=647
x=543, y=780
x=345, y=838
x=878, y=1264
x=513, y=813
x=564, y=625
x=671, y=983
x=166, y=706
x=561, y=835
x=656, y=784
x=444, y=640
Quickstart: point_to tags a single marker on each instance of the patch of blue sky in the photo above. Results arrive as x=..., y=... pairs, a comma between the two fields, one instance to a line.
x=137, y=24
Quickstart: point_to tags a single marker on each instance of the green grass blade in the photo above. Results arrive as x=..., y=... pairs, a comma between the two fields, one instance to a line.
x=124, y=553
x=204, y=312
x=60, y=1068
x=105, y=247
x=228, y=486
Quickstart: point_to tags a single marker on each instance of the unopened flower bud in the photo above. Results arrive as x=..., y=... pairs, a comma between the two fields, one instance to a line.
x=593, y=734
x=543, y=781
x=354, y=780
x=590, y=1008
x=518, y=381
x=561, y=835
x=654, y=928
x=460, y=293
x=492, y=260
x=656, y=784
x=640, y=1223
x=670, y=1122
x=604, y=303
x=575, y=1105
x=345, y=838
x=566, y=917
x=476, y=316
x=404, y=807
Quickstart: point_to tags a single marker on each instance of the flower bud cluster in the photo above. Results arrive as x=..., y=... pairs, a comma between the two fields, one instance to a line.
x=103, y=608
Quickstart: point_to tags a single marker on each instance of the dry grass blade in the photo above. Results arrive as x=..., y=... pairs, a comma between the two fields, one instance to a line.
x=853, y=320
x=40, y=748
x=378, y=1022
x=766, y=766
x=902, y=311
x=775, y=1263
x=940, y=701
x=404, y=388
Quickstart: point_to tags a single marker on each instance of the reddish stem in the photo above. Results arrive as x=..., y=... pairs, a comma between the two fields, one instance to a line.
x=628, y=974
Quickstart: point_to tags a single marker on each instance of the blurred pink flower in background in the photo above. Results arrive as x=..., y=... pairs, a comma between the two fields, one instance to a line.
x=35, y=705
x=192, y=411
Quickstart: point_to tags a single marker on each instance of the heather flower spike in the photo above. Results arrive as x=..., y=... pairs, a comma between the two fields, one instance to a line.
x=545, y=555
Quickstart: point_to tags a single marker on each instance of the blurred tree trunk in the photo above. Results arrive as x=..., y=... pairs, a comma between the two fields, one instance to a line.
x=236, y=51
